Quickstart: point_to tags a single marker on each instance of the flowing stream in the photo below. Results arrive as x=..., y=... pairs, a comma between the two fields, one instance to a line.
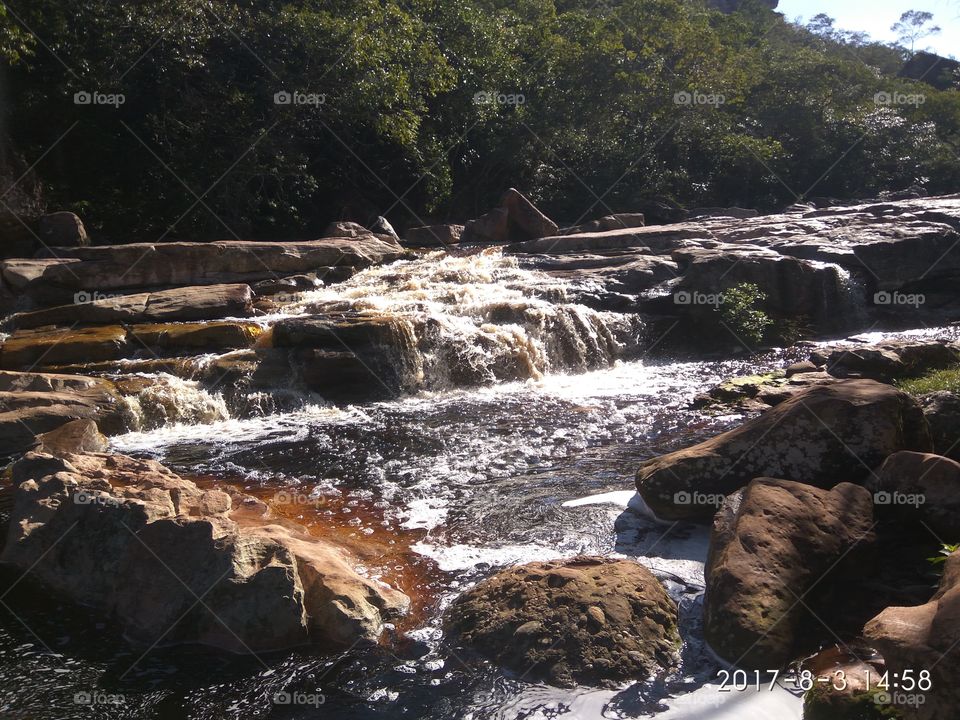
x=526, y=417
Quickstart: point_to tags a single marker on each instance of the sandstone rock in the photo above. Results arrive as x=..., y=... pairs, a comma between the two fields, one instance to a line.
x=890, y=360
x=108, y=268
x=920, y=487
x=617, y=271
x=434, y=235
x=773, y=543
x=838, y=430
x=34, y=403
x=792, y=287
x=76, y=436
x=140, y=544
x=27, y=350
x=62, y=229
x=493, y=227
x=209, y=302
x=342, y=229
x=585, y=620
x=942, y=410
x=350, y=358
x=526, y=221
x=923, y=638
x=382, y=226
x=195, y=337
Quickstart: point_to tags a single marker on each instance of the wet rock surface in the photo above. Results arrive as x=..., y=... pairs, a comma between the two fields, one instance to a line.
x=81, y=522
x=839, y=430
x=584, y=620
x=774, y=543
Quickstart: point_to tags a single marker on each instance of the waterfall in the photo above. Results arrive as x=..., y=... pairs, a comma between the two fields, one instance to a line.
x=475, y=319
x=164, y=399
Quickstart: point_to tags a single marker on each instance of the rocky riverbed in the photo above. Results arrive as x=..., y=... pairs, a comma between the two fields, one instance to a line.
x=389, y=476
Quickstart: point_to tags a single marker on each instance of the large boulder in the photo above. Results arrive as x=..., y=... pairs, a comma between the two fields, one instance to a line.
x=942, y=410
x=920, y=487
x=515, y=219
x=584, y=620
x=62, y=229
x=828, y=432
x=777, y=549
x=525, y=219
x=923, y=641
x=142, y=545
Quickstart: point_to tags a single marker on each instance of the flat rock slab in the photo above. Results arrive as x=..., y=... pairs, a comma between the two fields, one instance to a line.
x=584, y=620
x=211, y=302
x=106, y=268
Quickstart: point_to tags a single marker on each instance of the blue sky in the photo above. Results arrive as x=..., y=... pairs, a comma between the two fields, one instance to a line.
x=876, y=16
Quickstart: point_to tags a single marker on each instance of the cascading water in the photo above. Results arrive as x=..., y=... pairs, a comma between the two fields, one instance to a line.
x=478, y=319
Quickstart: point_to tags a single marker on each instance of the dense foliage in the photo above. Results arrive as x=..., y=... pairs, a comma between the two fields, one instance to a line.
x=430, y=108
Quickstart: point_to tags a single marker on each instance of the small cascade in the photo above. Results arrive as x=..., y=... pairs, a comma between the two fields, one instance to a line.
x=476, y=320
x=163, y=399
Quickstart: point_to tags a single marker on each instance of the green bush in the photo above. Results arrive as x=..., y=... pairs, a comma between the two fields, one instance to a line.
x=741, y=314
x=948, y=379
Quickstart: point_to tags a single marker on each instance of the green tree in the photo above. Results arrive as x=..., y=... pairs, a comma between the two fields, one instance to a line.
x=914, y=25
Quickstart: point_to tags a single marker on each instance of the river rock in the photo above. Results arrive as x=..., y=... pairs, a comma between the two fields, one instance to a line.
x=526, y=221
x=345, y=229
x=585, y=620
x=920, y=487
x=382, y=226
x=209, y=302
x=891, y=360
x=35, y=403
x=942, y=410
x=772, y=544
x=352, y=357
x=82, y=522
x=434, y=235
x=76, y=436
x=62, y=229
x=827, y=432
x=493, y=228
x=109, y=268
x=924, y=638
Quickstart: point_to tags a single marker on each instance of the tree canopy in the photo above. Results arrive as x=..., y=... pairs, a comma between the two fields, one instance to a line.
x=268, y=118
